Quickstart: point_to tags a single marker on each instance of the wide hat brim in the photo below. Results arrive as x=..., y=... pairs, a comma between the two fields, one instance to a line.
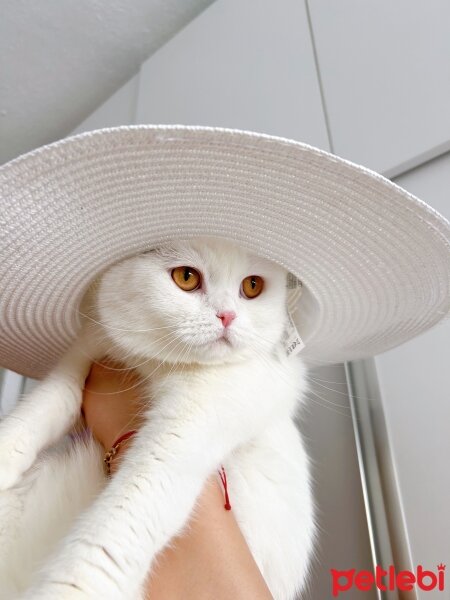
x=374, y=260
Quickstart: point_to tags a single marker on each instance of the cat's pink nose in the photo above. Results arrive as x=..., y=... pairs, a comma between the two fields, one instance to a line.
x=226, y=316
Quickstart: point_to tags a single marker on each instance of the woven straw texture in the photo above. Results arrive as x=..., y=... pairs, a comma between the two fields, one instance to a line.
x=374, y=261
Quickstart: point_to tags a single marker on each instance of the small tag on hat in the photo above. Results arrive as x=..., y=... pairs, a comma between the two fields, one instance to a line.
x=293, y=343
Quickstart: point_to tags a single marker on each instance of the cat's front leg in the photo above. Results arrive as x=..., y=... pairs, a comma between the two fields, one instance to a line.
x=147, y=502
x=270, y=489
x=44, y=415
x=194, y=425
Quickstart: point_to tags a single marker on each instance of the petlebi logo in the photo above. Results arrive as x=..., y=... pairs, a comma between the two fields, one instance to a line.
x=388, y=579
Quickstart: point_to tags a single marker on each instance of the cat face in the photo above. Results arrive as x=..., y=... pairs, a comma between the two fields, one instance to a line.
x=204, y=301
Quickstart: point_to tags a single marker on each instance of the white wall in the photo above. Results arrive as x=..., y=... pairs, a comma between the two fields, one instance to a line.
x=384, y=69
x=384, y=72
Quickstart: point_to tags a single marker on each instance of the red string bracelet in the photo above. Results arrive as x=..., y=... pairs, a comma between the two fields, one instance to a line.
x=223, y=477
x=123, y=438
x=115, y=449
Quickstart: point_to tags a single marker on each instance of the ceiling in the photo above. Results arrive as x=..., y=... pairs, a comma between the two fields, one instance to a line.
x=60, y=59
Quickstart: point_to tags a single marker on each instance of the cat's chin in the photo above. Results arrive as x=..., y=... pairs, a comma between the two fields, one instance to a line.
x=216, y=352
x=219, y=351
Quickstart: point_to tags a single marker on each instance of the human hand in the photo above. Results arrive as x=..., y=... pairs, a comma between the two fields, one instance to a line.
x=112, y=402
x=112, y=405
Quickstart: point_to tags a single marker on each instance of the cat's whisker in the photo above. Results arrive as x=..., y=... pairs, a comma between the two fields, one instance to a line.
x=106, y=326
x=328, y=403
x=316, y=363
x=263, y=357
x=166, y=337
x=328, y=388
x=183, y=365
x=144, y=378
x=342, y=414
x=364, y=398
x=144, y=406
x=328, y=364
x=337, y=404
x=314, y=378
x=139, y=413
x=184, y=352
x=250, y=333
x=126, y=356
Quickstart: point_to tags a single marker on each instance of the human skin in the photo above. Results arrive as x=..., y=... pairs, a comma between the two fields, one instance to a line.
x=210, y=558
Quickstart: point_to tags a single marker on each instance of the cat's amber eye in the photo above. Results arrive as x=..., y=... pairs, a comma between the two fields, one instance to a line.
x=252, y=286
x=186, y=278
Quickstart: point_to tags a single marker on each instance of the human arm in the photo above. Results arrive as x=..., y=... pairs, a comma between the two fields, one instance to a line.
x=210, y=559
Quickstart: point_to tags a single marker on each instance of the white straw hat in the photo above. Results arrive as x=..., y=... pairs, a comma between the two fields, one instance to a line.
x=374, y=260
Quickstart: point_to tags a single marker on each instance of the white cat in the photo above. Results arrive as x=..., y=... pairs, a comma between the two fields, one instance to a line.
x=202, y=322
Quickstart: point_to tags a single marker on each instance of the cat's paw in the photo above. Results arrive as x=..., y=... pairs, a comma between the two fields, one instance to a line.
x=15, y=459
x=75, y=584
x=58, y=590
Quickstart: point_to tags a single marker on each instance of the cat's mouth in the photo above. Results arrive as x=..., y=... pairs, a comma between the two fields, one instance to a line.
x=224, y=337
x=221, y=340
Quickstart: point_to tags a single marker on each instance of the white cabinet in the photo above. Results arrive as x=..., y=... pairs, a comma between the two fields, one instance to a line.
x=385, y=71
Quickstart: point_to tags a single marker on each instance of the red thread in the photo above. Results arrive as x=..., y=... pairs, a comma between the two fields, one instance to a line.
x=223, y=477
x=115, y=448
x=123, y=437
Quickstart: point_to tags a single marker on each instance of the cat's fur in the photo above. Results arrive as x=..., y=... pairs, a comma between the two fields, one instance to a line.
x=212, y=401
